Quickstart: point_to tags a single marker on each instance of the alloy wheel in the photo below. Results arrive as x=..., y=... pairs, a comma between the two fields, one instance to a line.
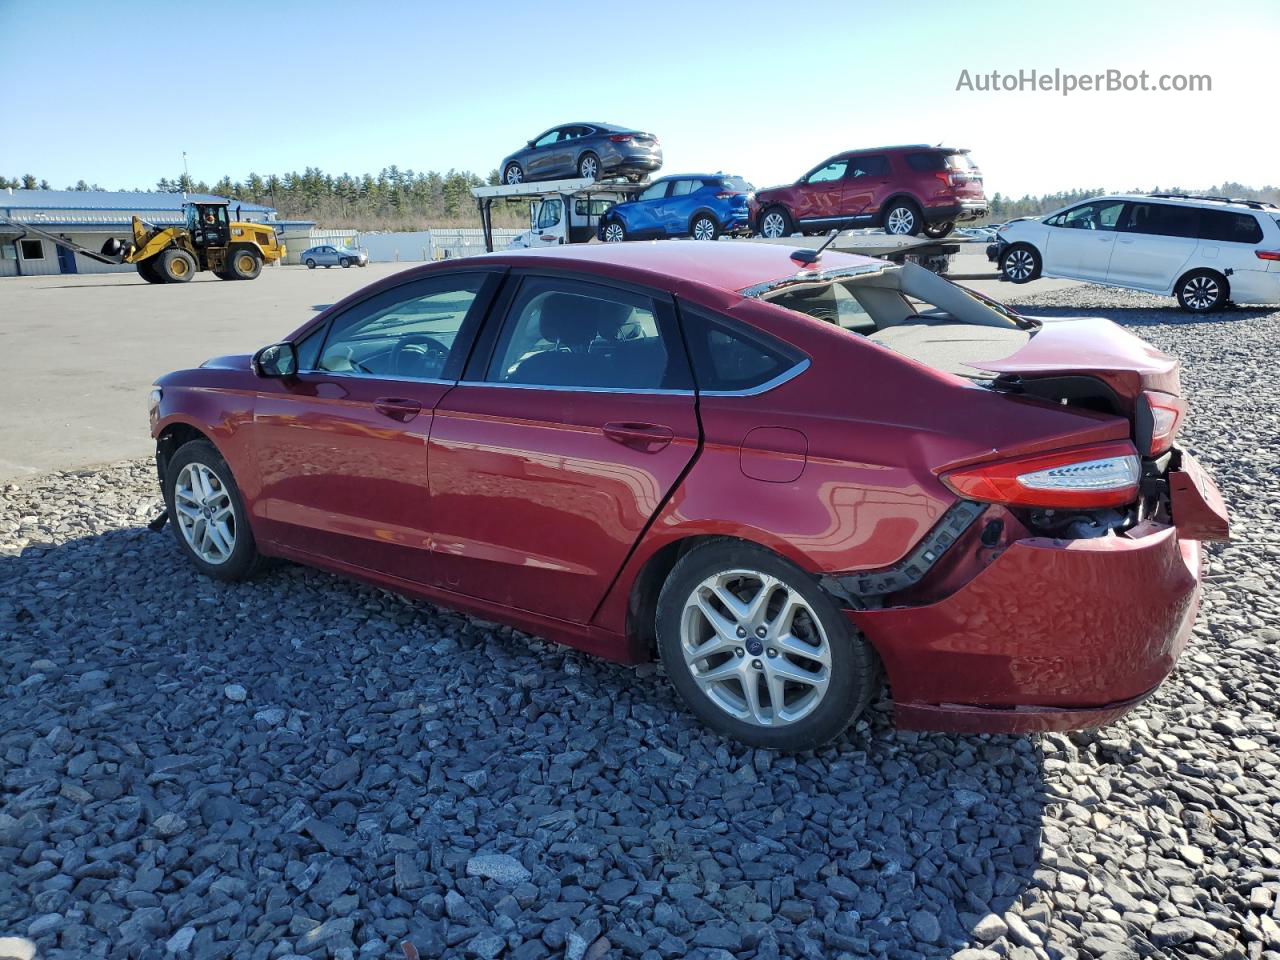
x=514, y=175
x=755, y=648
x=588, y=168
x=901, y=220
x=704, y=229
x=613, y=233
x=1200, y=293
x=1019, y=264
x=774, y=225
x=205, y=517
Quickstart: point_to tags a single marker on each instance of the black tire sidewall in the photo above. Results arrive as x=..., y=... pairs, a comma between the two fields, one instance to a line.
x=1219, y=279
x=582, y=159
x=507, y=170
x=170, y=255
x=715, y=227
x=311, y=264
x=1037, y=263
x=917, y=221
x=854, y=667
x=788, y=225
x=244, y=556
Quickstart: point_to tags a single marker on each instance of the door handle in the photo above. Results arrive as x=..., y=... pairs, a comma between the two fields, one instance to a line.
x=647, y=437
x=398, y=408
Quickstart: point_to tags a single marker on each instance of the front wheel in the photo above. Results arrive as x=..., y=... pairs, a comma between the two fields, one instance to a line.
x=589, y=166
x=1202, y=291
x=345, y=262
x=704, y=227
x=208, y=515
x=937, y=231
x=244, y=264
x=759, y=651
x=311, y=264
x=513, y=174
x=776, y=222
x=902, y=219
x=613, y=232
x=176, y=266
x=148, y=271
x=1020, y=263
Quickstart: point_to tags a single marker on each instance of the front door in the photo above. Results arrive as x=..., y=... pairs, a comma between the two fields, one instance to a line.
x=549, y=224
x=1082, y=245
x=342, y=447
x=821, y=200
x=550, y=458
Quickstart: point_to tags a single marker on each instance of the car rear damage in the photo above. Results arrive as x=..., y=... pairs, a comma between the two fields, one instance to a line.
x=1060, y=586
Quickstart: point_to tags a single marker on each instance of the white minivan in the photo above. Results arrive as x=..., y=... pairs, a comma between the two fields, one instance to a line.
x=1203, y=250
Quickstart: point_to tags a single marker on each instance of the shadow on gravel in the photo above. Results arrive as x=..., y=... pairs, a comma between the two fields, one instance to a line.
x=301, y=765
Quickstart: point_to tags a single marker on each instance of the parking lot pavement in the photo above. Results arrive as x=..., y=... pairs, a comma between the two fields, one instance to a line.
x=78, y=354
x=302, y=765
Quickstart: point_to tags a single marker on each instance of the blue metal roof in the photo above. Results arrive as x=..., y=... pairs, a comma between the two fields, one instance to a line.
x=111, y=200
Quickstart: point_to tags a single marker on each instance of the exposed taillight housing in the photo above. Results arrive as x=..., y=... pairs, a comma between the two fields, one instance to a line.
x=1166, y=416
x=621, y=138
x=727, y=195
x=946, y=179
x=1267, y=254
x=1099, y=475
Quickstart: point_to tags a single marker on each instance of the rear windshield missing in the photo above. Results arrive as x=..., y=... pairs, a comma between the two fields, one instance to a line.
x=960, y=161
x=737, y=184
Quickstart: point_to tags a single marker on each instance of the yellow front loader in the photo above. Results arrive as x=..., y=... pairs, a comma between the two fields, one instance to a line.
x=208, y=240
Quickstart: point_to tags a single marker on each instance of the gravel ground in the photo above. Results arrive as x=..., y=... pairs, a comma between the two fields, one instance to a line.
x=303, y=766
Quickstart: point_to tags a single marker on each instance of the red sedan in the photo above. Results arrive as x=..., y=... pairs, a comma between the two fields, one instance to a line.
x=787, y=479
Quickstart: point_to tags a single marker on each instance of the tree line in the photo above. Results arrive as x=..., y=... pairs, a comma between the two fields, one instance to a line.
x=395, y=199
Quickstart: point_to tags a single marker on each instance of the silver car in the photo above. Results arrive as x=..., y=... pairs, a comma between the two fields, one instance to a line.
x=590, y=150
x=327, y=255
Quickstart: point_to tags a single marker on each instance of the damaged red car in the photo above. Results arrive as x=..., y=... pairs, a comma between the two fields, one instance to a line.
x=790, y=477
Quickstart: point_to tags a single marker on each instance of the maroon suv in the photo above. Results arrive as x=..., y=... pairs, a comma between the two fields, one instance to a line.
x=905, y=189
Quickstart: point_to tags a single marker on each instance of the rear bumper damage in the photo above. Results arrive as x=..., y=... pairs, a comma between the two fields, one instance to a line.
x=1053, y=634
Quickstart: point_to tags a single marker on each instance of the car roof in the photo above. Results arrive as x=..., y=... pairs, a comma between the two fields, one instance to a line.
x=708, y=176
x=728, y=266
x=1190, y=200
x=904, y=146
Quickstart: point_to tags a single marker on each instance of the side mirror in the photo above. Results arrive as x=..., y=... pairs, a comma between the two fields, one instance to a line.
x=277, y=360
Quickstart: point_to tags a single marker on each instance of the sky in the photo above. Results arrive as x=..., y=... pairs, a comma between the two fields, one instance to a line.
x=114, y=93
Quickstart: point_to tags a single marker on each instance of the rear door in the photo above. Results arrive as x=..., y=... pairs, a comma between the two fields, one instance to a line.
x=1081, y=240
x=341, y=448
x=865, y=187
x=821, y=196
x=575, y=420
x=1154, y=244
x=679, y=206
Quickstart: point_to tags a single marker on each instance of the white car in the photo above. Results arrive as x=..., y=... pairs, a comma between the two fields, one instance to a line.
x=1203, y=250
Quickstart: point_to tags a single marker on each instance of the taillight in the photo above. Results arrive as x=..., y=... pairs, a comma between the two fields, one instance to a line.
x=1267, y=254
x=1167, y=412
x=946, y=179
x=621, y=138
x=1104, y=475
x=727, y=195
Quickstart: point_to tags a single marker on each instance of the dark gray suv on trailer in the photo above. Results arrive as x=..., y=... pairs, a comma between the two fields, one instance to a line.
x=592, y=150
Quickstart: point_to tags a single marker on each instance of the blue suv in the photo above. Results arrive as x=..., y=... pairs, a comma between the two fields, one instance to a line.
x=698, y=205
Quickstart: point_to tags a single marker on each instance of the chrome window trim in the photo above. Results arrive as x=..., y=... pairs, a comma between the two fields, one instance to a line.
x=342, y=374
x=789, y=374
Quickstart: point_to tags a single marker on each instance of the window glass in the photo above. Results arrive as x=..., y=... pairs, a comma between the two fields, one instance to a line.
x=960, y=161
x=868, y=167
x=591, y=208
x=1102, y=215
x=832, y=171
x=1226, y=227
x=656, y=191
x=1162, y=219
x=736, y=184
x=685, y=187
x=727, y=357
x=31, y=249
x=931, y=162
x=547, y=138
x=564, y=333
x=401, y=335
x=308, y=349
x=550, y=213
x=832, y=303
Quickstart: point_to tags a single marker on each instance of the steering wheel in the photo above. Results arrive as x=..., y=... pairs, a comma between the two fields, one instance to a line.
x=419, y=355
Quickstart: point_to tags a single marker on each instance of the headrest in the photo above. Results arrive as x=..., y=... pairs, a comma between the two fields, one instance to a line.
x=574, y=321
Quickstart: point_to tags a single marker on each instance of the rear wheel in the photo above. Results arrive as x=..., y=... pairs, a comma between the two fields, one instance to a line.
x=244, y=264
x=513, y=174
x=613, y=232
x=759, y=651
x=902, y=219
x=1020, y=263
x=208, y=514
x=176, y=266
x=704, y=227
x=776, y=222
x=937, y=231
x=311, y=264
x=589, y=166
x=1202, y=291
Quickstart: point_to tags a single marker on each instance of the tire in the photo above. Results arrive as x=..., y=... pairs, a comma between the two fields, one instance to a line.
x=244, y=263
x=776, y=222
x=846, y=681
x=513, y=174
x=188, y=489
x=936, y=231
x=612, y=231
x=176, y=266
x=589, y=166
x=311, y=264
x=148, y=272
x=345, y=263
x=1202, y=291
x=1020, y=263
x=704, y=227
x=902, y=219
